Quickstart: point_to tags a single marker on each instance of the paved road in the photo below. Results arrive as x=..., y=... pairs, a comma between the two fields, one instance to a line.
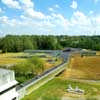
x=64, y=55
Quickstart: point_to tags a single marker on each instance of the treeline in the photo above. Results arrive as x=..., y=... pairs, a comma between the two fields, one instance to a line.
x=12, y=43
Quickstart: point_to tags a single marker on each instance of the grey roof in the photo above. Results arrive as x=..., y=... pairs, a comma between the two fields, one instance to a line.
x=41, y=51
x=4, y=71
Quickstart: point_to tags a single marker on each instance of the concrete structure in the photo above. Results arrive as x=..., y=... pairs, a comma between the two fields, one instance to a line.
x=7, y=85
x=70, y=49
x=23, y=89
x=80, y=91
x=76, y=90
x=87, y=53
x=70, y=89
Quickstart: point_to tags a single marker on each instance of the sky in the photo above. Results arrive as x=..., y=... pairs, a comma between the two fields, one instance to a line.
x=50, y=17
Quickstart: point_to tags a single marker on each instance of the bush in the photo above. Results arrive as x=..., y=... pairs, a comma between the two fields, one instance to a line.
x=29, y=69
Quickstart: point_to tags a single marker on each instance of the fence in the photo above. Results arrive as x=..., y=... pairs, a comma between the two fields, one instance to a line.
x=36, y=82
x=32, y=85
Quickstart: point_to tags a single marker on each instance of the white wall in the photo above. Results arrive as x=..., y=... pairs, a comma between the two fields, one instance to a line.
x=9, y=95
x=6, y=78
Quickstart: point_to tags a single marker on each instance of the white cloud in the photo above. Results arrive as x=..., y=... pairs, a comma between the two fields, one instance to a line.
x=11, y=3
x=96, y=1
x=22, y=17
x=60, y=19
x=54, y=8
x=34, y=14
x=78, y=24
x=84, y=25
x=91, y=12
x=57, y=6
x=51, y=9
x=48, y=25
x=4, y=19
x=32, y=21
x=80, y=19
x=27, y=3
x=28, y=9
x=74, y=5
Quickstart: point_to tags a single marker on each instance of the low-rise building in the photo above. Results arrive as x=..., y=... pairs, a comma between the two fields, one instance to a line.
x=7, y=85
x=87, y=53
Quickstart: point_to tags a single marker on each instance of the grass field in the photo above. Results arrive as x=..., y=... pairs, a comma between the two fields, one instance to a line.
x=56, y=89
x=78, y=68
x=11, y=58
x=87, y=67
x=44, y=80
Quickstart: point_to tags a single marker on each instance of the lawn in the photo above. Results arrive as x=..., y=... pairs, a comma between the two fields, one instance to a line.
x=87, y=67
x=56, y=90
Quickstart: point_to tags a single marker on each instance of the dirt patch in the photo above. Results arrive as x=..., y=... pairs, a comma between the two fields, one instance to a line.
x=83, y=68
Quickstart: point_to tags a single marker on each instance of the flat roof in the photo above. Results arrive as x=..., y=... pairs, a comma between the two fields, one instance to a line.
x=8, y=85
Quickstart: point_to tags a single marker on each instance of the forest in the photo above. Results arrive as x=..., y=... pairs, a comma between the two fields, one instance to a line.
x=19, y=43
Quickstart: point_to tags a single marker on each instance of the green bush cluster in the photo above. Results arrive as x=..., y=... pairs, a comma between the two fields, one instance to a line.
x=28, y=69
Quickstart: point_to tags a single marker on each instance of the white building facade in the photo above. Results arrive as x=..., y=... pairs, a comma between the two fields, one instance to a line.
x=8, y=85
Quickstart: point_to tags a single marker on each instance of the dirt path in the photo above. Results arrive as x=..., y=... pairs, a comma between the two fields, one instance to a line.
x=81, y=98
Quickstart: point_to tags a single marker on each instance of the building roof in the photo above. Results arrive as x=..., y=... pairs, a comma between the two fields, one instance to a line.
x=4, y=71
x=8, y=85
x=7, y=79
